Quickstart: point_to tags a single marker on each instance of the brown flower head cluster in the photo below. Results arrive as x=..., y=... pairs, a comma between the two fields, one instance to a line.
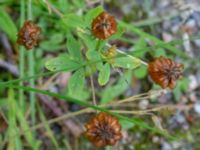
x=104, y=25
x=29, y=35
x=165, y=72
x=103, y=130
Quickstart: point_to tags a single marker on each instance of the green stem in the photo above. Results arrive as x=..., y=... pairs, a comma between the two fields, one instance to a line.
x=21, y=56
x=98, y=45
x=130, y=56
x=14, y=141
x=32, y=84
x=31, y=70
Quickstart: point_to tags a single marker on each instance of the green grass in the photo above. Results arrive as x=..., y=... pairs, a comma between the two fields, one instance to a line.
x=81, y=55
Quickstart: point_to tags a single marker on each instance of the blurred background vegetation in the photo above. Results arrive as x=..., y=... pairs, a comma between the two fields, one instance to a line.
x=147, y=29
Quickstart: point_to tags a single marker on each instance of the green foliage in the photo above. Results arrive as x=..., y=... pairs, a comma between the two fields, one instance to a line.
x=140, y=123
x=89, y=41
x=74, y=48
x=94, y=61
x=181, y=86
x=110, y=92
x=76, y=85
x=92, y=13
x=126, y=62
x=126, y=124
x=139, y=48
x=53, y=43
x=73, y=21
x=80, y=53
x=158, y=43
x=63, y=62
x=7, y=25
x=104, y=74
x=140, y=72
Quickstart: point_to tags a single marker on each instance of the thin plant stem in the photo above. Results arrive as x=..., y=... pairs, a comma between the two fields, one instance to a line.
x=93, y=90
x=31, y=70
x=21, y=56
x=141, y=96
x=57, y=119
x=32, y=84
x=155, y=109
x=89, y=110
x=51, y=7
x=130, y=56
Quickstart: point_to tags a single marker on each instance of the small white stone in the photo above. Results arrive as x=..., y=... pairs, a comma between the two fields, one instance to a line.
x=143, y=104
x=197, y=108
x=166, y=146
x=193, y=82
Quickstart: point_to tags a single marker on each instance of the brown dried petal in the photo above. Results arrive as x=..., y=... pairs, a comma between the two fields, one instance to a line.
x=104, y=25
x=28, y=35
x=165, y=72
x=103, y=129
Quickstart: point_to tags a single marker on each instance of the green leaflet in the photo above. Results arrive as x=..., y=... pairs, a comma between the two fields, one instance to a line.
x=54, y=42
x=76, y=85
x=62, y=62
x=74, y=48
x=119, y=88
x=127, y=62
x=73, y=21
x=91, y=14
x=88, y=40
x=104, y=74
x=140, y=72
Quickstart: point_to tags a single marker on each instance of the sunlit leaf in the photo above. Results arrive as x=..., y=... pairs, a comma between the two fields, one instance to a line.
x=104, y=74
x=126, y=62
x=62, y=62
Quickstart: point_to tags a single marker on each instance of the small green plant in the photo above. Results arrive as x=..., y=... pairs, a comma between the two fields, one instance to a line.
x=82, y=41
x=89, y=53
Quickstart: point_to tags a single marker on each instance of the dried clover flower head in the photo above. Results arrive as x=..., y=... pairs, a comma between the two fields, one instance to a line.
x=104, y=25
x=165, y=72
x=29, y=35
x=103, y=130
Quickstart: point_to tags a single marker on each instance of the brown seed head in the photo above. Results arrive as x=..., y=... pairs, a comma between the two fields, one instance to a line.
x=29, y=35
x=103, y=130
x=165, y=72
x=104, y=25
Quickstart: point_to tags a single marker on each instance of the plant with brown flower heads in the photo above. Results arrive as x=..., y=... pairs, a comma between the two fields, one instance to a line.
x=165, y=72
x=104, y=25
x=29, y=34
x=103, y=130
